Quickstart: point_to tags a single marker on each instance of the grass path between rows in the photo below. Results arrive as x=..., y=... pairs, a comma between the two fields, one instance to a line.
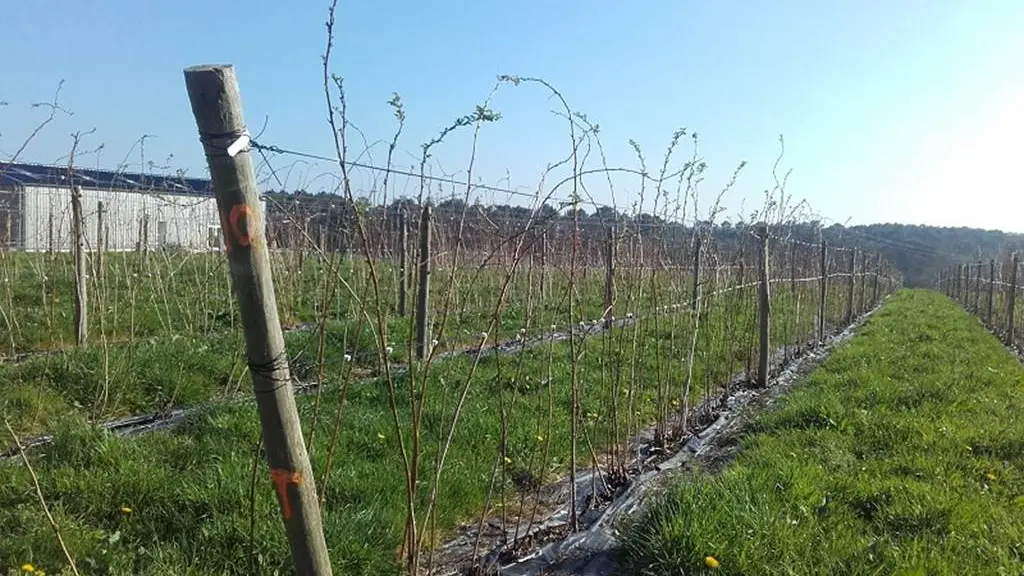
x=902, y=454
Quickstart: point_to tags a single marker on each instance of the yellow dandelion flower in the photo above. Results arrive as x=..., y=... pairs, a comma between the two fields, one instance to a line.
x=28, y=568
x=508, y=460
x=991, y=477
x=711, y=562
x=126, y=510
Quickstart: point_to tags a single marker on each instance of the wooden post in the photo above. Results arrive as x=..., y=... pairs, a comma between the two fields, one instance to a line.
x=695, y=296
x=849, y=286
x=543, y=267
x=1011, y=299
x=403, y=259
x=862, y=299
x=609, y=278
x=792, y=269
x=764, y=310
x=874, y=284
x=78, y=237
x=824, y=288
x=217, y=107
x=991, y=287
x=960, y=283
x=99, y=240
x=977, y=289
x=423, y=296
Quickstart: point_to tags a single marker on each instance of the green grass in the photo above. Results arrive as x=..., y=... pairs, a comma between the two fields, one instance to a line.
x=164, y=331
x=902, y=454
x=189, y=488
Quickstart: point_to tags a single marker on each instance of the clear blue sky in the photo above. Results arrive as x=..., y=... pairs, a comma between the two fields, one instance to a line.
x=908, y=111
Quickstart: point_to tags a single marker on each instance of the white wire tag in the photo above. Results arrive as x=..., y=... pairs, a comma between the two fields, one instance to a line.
x=238, y=145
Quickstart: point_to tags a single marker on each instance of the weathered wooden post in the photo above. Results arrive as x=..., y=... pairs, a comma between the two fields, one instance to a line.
x=959, y=283
x=423, y=296
x=609, y=277
x=862, y=298
x=403, y=262
x=977, y=289
x=78, y=235
x=695, y=296
x=764, y=310
x=991, y=287
x=99, y=240
x=823, y=284
x=543, y=267
x=850, y=284
x=792, y=269
x=49, y=235
x=874, y=284
x=217, y=107
x=1011, y=299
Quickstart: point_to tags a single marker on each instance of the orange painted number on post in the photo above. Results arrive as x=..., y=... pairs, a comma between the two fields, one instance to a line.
x=281, y=479
x=236, y=226
x=237, y=213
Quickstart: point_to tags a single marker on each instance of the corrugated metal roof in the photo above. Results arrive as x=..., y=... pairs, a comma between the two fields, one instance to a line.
x=40, y=175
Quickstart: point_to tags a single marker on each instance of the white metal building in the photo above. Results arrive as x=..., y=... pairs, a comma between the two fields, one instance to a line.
x=136, y=209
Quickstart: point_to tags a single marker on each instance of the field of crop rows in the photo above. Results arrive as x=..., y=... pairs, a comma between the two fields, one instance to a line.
x=550, y=342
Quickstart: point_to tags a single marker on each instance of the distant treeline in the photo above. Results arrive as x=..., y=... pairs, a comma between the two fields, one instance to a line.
x=329, y=220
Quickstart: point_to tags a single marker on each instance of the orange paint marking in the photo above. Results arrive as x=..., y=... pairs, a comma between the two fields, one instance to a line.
x=281, y=479
x=236, y=224
x=238, y=212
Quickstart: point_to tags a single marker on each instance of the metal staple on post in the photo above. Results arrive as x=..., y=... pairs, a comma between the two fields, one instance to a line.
x=216, y=105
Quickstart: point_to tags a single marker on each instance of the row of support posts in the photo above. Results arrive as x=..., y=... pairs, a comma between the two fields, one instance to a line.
x=216, y=104
x=955, y=282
